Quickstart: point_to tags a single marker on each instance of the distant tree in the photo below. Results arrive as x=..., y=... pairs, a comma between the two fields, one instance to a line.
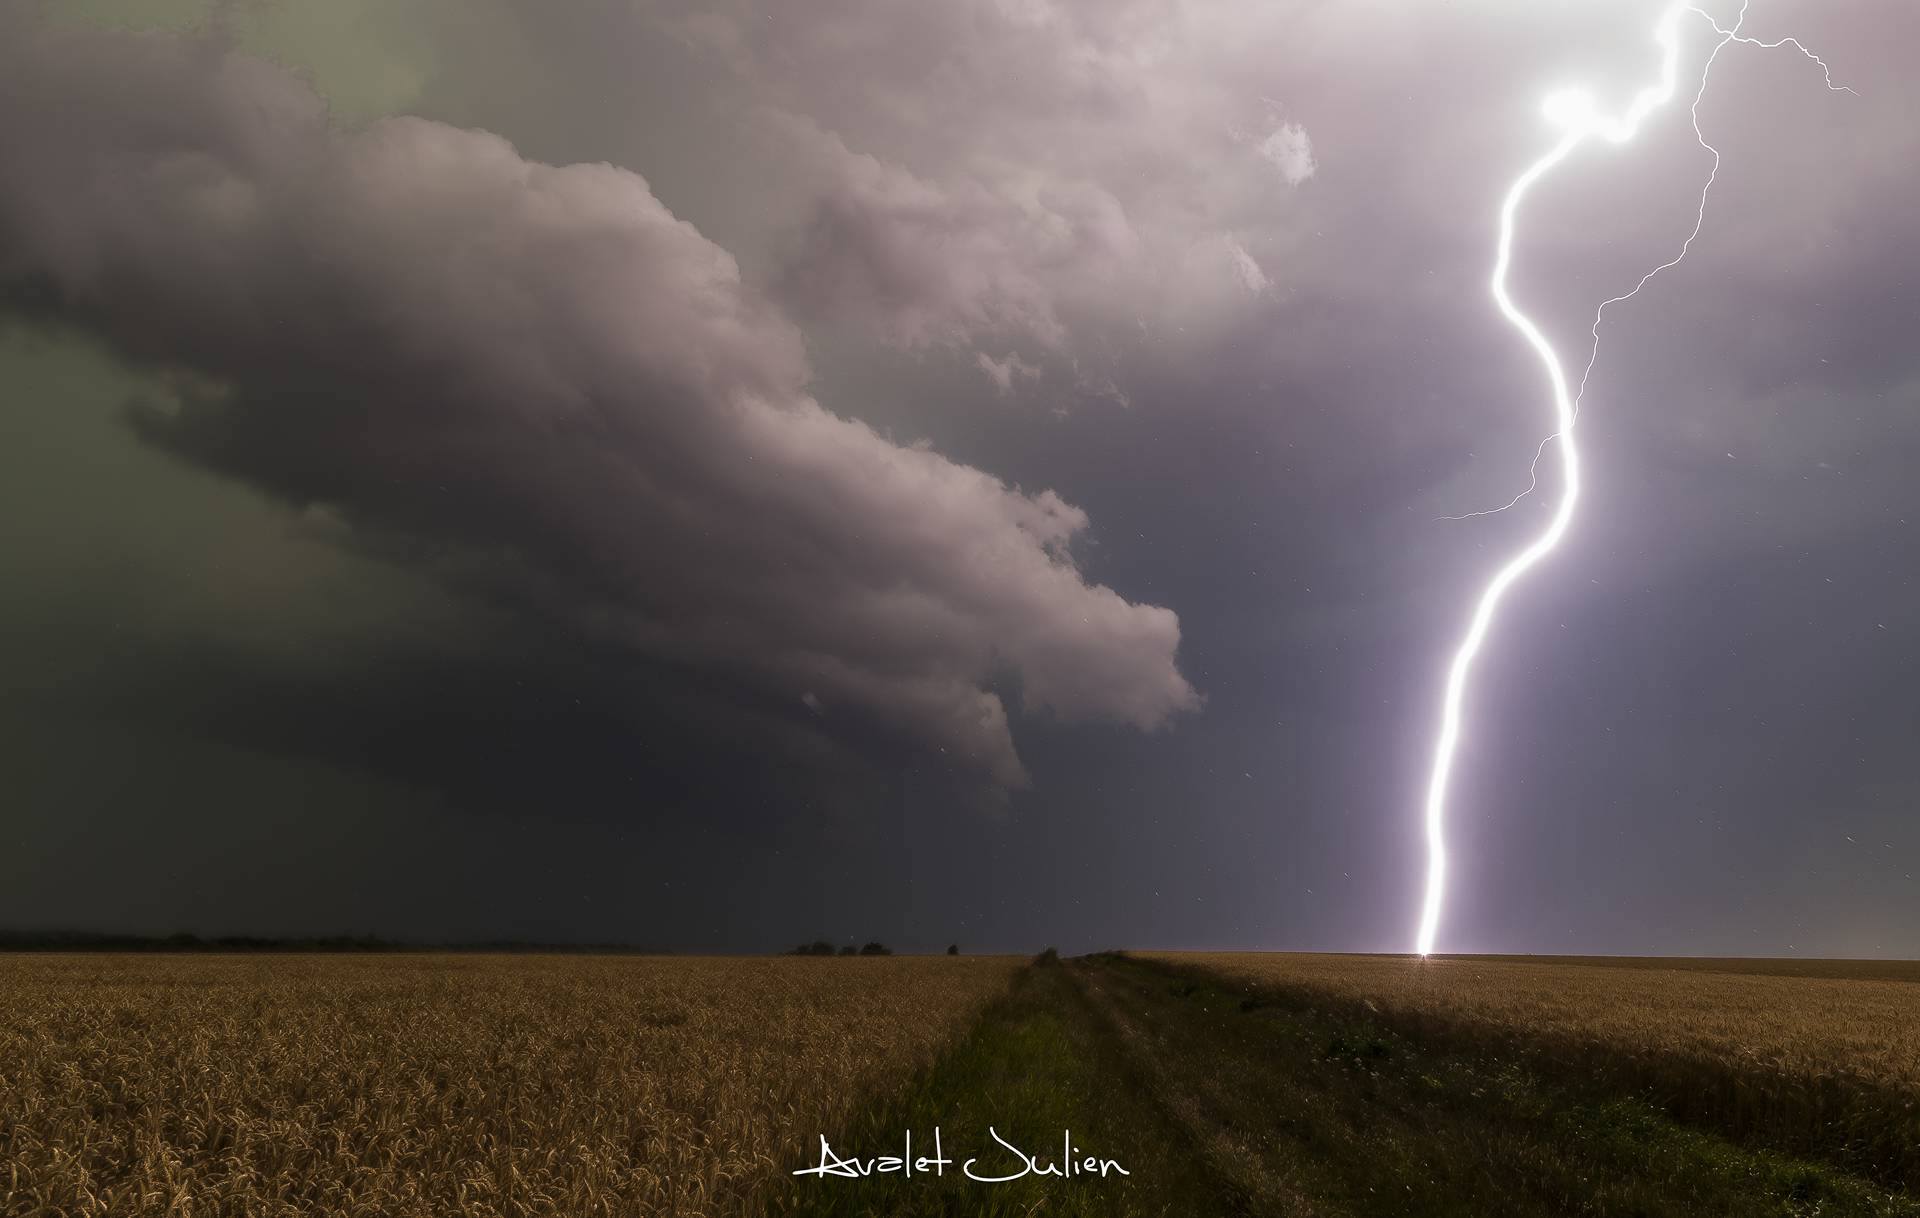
x=953, y=949
x=849, y=950
x=1047, y=958
x=819, y=947
x=876, y=949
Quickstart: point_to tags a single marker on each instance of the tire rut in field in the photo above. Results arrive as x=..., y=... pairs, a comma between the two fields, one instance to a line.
x=1228, y=1152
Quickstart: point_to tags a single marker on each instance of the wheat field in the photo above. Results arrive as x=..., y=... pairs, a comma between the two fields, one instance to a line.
x=438, y=1085
x=1816, y=1057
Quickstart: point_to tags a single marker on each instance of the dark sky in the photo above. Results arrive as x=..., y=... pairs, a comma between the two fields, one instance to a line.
x=690, y=475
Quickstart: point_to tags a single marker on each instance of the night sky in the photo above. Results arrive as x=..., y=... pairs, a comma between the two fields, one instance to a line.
x=717, y=475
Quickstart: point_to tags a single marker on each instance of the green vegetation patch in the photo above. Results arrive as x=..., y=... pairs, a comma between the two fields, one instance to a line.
x=1341, y=1108
x=1040, y=1063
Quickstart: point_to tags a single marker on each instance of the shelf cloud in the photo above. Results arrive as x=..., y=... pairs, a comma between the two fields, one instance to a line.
x=539, y=384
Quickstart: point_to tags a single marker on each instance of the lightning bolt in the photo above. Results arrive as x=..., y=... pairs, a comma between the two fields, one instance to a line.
x=1574, y=112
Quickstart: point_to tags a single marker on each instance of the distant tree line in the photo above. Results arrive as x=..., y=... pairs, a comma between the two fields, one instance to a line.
x=820, y=947
x=94, y=941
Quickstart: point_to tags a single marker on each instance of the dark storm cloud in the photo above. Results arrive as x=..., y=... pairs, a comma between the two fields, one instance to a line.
x=540, y=384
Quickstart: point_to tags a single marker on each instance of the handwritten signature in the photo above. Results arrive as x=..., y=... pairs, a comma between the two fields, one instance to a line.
x=1072, y=1162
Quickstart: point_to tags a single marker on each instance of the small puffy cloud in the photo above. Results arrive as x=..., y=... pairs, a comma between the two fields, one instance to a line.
x=1002, y=371
x=1291, y=152
x=1247, y=269
x=538, y=384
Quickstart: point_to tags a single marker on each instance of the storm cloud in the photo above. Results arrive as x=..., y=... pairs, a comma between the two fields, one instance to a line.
x=1052, y=179
x=536, y=382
